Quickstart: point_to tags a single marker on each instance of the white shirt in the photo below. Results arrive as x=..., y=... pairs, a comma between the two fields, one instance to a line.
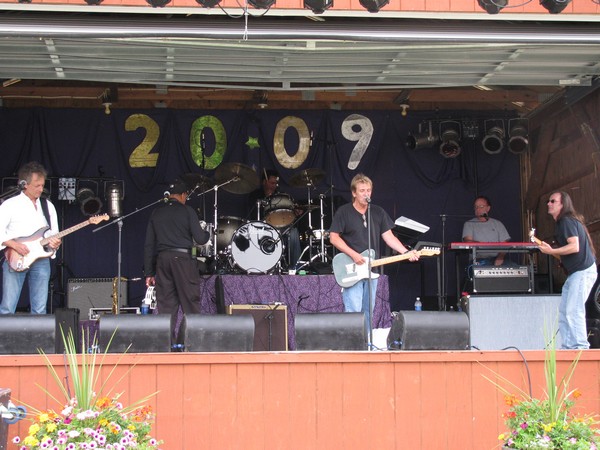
x=19, y=217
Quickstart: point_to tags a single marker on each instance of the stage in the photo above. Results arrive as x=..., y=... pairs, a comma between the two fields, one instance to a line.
x=316, y=400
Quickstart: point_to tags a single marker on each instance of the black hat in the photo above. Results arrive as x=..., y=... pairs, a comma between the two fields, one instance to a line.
x=178, y=187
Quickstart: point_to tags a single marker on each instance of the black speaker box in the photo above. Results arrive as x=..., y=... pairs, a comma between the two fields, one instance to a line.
x=4, y=399
x=330, y=331
x=143, y=333
x=67, y=320
x=26, y=333
x=593, y=330
x=87, y=293
x=270, y=325
x=218, y=333
x=429, y=330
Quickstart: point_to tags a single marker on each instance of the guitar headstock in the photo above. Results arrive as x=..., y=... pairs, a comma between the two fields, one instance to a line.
x=97, y=219
x=429, y=251
x=532, y=237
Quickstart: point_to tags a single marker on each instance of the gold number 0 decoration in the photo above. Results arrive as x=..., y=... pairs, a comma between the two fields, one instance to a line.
x=285, y=159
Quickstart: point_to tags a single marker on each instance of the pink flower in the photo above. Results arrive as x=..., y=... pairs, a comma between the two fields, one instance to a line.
x=524, y=425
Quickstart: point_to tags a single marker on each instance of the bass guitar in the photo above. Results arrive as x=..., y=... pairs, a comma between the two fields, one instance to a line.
x=347, y=273
x=37, y=245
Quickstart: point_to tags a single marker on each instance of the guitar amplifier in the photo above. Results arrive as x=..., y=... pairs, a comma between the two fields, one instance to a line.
x=93, y=293
x=501, y=279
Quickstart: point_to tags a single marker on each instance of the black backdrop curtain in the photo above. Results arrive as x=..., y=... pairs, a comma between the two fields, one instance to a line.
x=146, y=149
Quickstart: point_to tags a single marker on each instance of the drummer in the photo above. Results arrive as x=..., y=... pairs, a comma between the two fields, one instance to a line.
x=256, y=199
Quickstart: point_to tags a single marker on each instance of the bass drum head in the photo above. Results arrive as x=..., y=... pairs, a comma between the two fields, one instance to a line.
x=256, y=247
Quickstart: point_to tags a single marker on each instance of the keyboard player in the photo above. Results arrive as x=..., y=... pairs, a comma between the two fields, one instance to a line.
x=483, y=228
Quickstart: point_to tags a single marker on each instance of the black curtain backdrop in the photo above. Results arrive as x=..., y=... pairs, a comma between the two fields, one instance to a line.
x=146, y=149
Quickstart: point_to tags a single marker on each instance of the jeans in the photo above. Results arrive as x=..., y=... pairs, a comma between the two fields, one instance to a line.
x=356, y=299
x=38, y=276
x=571, y=318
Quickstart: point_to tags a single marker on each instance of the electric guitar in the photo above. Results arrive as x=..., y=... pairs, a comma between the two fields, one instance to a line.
x=37, y=245
x=537, y=241
x=347, y=273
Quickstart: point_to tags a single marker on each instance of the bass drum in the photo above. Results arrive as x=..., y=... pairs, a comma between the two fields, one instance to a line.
x=256, y=247
x=226, y=226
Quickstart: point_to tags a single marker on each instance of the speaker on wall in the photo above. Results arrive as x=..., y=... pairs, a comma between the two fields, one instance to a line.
x=22, y=334
x=87, y=293
x=218, y=333
x=270, y=325
x=330, y=331
x=135, y=333
x=429, y=330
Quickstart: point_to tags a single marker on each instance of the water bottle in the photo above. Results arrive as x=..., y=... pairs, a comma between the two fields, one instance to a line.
x=418, y=304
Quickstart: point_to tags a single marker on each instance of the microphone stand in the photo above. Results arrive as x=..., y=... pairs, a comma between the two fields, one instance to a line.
x=370, y=279
x=269, y=317
x=119, y=222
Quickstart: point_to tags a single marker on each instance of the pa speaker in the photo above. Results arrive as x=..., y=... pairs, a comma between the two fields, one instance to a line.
x=67, y=320
x=270, y=325
x=26, y=333
x=429, y=330
x=145, y=333
x=218, y=333
x=330, y=331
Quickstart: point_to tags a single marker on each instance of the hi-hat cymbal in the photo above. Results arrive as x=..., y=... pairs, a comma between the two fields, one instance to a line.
x=197, y=180
x=307, y=177
x=245, y=179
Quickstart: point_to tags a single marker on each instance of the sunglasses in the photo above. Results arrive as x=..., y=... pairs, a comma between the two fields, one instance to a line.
x=552, y=200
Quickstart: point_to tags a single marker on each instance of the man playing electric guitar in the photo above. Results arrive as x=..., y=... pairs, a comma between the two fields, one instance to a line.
x=23, y=215
x=348, y=233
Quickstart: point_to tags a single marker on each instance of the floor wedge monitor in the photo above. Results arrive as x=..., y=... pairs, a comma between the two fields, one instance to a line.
x=429, y=330
x=135, y=333
x=26, y=333
x=330, y=331
x=218, y=333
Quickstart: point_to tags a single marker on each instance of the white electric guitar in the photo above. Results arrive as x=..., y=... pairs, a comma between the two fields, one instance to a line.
x=37, y=245
x=347, y=273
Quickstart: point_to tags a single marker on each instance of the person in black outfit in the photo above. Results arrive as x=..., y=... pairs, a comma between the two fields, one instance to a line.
x=169, y=262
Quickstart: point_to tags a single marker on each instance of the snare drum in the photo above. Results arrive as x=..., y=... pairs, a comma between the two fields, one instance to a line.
x=226, y=226
x=279, y=210
x=256, y=247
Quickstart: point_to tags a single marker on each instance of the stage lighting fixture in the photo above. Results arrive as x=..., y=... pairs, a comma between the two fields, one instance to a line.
x=208, y=3
x=493, y=141
x=518, y=141
x=89, y=203
x=422, y=139
x=114, y=196
x=373, y=6
x=555, y=6
x=318, y=6
x=450, y=136
x=261, y=4
x=492, y=6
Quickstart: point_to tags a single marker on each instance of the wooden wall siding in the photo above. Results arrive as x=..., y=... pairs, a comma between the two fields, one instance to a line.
x=383, y=400
x=433, y=6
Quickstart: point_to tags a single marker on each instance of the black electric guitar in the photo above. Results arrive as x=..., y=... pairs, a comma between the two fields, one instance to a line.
x=347, y=273
x=37, y=245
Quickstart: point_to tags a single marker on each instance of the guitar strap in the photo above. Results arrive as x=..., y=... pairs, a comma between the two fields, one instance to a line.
x=44, y=203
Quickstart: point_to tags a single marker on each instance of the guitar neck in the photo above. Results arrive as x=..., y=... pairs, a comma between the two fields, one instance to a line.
x=389, y=259
x=539, y=242
x=65, y=232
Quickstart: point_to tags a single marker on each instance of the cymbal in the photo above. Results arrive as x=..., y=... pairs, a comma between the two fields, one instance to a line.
x=307, y=207
x=195, y=179
x=245, y=178
x=307, y=177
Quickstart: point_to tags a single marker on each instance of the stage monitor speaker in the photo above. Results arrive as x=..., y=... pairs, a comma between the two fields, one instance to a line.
x=87, y=293
x=22, y=334
x=218, y=333
x=330, y=331
x=270, y=325
x=521, y=321
x=145, y=333
x=429, y=330
x=67, y=320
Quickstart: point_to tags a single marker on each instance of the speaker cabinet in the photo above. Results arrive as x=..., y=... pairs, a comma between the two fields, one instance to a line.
x=4, y=399
x=218, y=333
x=330, y=331
x=429, y=330
x=521, y=321
x=146, y=333
x=87, y=293
x=26, y=333
x=67, y=320
x=270, y=325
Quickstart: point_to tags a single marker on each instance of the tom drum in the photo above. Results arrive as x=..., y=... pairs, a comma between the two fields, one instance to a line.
x=226, y=226
x=279, y=210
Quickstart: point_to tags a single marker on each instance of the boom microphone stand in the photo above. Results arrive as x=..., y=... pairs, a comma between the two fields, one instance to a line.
x=370, y=279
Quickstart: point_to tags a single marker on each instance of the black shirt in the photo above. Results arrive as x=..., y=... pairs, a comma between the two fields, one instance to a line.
x=171, y=226
x=570, y=227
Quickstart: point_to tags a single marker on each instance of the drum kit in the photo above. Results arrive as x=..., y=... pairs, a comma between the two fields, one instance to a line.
x=257, y=246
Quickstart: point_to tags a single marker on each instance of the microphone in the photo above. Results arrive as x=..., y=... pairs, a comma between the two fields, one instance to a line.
x=166, y=194
x=267, y=245
x=485, y=216
x=368, y=199
x=22, y=185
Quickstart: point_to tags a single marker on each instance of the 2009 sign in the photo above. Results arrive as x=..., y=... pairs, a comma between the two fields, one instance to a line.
x=356, y=128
